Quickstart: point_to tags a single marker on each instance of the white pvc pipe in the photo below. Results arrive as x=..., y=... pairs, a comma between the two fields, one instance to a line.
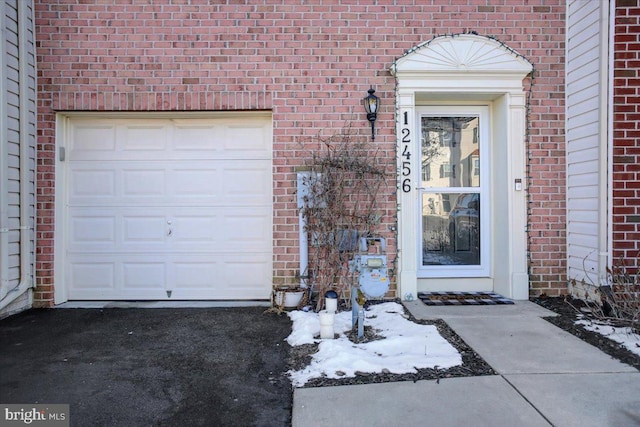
x=304, y=250
x=331, y=304
x=303, y=235
x=327, y=319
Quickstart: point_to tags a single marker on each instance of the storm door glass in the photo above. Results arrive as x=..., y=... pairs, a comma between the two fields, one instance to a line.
x=451, y=192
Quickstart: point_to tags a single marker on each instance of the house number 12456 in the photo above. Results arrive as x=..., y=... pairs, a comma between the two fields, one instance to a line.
x=406, y=155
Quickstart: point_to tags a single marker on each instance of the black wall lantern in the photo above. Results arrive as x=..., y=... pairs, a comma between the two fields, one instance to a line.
x=371, y=106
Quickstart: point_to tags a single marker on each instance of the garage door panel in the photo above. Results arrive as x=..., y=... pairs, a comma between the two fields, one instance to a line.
x=89, y=138
x=164, y=205
x=225, y=278
x=214, y=182
x=92, y=183
x=246, y=138
x=93, y=229
x=145, y=138
x=125, y=276
x=198, y=136
x=143, y=182
x=143, y=275
x=196, y=229
x=237, y=230
x=95, y=275
x=187, y=276
x=113, y=229
x=91, y=274
x=250, y=183
x=245, y=231
x=165, y=141
x=203, y=274
x=243, y=272
x=195, y=182
x=144, y=229
x=191, y=229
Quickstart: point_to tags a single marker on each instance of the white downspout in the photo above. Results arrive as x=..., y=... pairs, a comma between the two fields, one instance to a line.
x=606, y=153
x=26, y=227
x=26, y=271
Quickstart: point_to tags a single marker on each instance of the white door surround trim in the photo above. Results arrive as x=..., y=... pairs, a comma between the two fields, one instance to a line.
x=467, y=69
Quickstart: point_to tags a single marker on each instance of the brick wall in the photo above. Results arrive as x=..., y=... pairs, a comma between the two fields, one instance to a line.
x=626, y=135
x=310, y=63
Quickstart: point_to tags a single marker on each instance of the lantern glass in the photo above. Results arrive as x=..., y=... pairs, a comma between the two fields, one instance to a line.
x=371, y=102
x=371, y=107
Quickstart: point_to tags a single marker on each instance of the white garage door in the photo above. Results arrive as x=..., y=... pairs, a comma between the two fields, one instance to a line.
x=168, y=208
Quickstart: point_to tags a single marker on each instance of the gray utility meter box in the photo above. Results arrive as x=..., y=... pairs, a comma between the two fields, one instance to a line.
x=373, y=279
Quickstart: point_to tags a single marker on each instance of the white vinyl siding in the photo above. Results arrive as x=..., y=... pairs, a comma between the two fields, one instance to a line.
x=585, y=132
x=12, y=117
x=18, y=152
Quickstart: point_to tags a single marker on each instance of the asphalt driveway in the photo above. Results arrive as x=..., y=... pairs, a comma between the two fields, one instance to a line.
x=142, y=367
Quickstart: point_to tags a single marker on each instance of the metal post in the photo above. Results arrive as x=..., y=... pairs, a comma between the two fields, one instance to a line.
x=354, y=305
x=357, y=313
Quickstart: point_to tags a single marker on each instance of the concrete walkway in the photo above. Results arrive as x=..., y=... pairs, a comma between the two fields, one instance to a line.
x=546, y=376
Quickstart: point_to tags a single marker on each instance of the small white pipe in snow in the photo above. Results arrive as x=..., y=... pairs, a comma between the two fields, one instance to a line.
x=327, y=319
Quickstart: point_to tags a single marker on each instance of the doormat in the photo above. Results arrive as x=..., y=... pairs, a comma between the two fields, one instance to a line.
x=463, y=298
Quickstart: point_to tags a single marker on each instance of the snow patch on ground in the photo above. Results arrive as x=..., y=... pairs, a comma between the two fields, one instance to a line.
x=405, y=347
x=623, y=336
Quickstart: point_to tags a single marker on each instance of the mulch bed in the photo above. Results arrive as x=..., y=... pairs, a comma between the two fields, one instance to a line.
x=566, y=321
x=472, y=364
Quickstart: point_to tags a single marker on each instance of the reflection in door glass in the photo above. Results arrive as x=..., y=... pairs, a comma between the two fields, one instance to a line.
x=451, y=165
x=451, y=229
x=450, y=152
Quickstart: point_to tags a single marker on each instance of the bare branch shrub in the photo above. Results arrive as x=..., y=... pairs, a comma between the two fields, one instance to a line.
x=341, y=206
x=616, y=301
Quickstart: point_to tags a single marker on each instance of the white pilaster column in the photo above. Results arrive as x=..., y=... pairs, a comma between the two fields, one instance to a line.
x=408, y=179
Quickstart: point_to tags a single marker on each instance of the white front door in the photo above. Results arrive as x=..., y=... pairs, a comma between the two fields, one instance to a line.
x=454, y=197
x=161, y=208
